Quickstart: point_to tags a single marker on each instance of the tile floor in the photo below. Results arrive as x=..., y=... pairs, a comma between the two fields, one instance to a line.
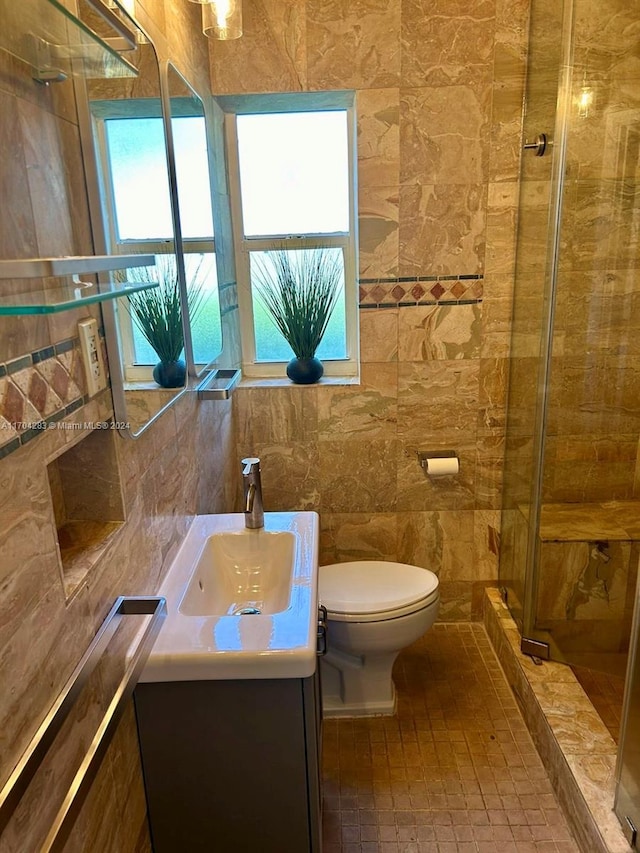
x=454, y=772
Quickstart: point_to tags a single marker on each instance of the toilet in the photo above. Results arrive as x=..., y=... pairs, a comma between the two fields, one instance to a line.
x=374, y=610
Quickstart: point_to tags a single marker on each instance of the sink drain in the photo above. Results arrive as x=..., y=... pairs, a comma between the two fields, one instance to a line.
x=247, y=611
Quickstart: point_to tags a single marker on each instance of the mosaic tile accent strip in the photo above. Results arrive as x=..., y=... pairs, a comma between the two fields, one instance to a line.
x=423, y=290
x=37, y=390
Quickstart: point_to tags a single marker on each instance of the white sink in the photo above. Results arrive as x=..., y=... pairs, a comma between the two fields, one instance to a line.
x=240, y=603
x=247, y=570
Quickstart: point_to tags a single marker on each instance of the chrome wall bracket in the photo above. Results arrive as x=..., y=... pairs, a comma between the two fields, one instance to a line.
x=218, y=384
x=535, y=648
x=629, y=831
x=538, y=146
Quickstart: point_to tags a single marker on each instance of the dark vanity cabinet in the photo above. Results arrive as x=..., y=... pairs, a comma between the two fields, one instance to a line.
x=232, y=766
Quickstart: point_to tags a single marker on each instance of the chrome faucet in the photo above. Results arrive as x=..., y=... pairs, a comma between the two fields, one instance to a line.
x=252, y=489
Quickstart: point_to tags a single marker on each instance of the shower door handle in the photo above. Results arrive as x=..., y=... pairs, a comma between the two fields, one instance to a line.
x=539, y=145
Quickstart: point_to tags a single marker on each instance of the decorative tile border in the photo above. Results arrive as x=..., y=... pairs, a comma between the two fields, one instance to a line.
x=39, y=389
x=419, y=290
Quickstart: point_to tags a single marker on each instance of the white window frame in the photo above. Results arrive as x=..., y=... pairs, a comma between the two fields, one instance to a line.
x=134, y=372
x=347, y=242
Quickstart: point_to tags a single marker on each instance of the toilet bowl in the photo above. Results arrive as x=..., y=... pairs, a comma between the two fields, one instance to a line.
x=374, y=610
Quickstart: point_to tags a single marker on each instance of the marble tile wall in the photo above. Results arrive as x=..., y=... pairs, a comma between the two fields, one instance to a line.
x=438, y=101
x=594, y=421
x=165, y=476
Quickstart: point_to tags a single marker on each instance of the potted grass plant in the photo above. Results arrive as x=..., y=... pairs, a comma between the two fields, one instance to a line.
x=299, y=290
x=158, y=315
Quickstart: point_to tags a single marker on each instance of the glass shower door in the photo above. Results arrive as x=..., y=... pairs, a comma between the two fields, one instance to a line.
x=536, y=239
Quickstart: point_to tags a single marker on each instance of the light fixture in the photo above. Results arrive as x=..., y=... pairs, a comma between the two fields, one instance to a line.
x=585, y=99
x=222, y=19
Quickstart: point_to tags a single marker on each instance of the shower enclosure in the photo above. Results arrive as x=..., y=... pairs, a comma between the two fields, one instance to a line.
x=570, y=537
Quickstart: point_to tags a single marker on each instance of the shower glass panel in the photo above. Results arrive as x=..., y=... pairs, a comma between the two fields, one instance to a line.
x=535, y=241
x=571, y=519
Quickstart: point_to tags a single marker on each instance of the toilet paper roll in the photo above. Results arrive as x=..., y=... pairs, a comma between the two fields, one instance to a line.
x=442, y=466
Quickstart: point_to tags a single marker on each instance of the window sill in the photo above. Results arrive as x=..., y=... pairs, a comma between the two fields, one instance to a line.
x=283, y=382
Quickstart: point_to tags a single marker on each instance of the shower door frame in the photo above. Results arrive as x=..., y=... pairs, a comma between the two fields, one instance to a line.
x=533, y=640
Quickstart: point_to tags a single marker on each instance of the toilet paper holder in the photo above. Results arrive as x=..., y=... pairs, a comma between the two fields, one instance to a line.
x=424, y=457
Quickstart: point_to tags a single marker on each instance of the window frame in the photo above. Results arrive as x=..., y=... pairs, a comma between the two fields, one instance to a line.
x=347, y=242
x=134, y=371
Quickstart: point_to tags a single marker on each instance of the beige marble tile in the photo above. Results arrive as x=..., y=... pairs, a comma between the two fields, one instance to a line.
x=456, y=601
x=446, y=42
x=271, y=55
x=379, y=335
x=378, y=115
x=596, y=231
x=575, y=723
x=17, y=236
x=502, y=210
x=440, y=541
x=262, y=415
x=47, y=175
x=532, y=225
x=489, y=471
x=493, y=380
x=353, y=46
x=378, y=234
x=497, y=330
x=599, y=311
x=437, y=401
x=486, y=537
x=357, y=476
x=506, y=119
x=439, y=332
x=357, y=536
x=292, y=475
x=442, y=229
x=596, y=776
x=443, y=135
x=368, y=410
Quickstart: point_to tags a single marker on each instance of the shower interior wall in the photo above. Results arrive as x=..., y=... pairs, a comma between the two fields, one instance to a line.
x=578, y=592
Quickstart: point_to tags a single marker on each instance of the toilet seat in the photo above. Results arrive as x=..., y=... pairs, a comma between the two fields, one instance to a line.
x=375, y=590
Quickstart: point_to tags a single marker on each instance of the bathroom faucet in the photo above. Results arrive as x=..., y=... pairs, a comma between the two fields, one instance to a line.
x=252, y=489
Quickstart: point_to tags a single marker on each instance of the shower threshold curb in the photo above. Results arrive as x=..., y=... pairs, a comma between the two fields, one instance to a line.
x=576, y=748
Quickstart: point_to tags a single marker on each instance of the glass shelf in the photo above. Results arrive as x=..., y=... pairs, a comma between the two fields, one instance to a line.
x=57, y=45
x=71, y=293
x=71, y=265
x=63, y=296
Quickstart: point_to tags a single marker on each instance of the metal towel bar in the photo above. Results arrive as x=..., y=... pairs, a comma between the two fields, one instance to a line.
x=25, y=770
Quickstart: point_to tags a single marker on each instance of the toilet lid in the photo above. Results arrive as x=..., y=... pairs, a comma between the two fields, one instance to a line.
x=374, y=586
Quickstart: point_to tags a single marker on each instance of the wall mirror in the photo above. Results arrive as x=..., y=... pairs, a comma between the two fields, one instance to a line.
x=127, y=130
x=190, y=148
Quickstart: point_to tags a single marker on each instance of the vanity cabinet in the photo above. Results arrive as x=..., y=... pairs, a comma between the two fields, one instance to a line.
x=232, y=766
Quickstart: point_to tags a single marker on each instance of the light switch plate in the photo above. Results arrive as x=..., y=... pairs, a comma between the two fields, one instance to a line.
x=92, y=356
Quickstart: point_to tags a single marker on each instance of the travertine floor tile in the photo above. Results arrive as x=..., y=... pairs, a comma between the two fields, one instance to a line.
x=454, y=772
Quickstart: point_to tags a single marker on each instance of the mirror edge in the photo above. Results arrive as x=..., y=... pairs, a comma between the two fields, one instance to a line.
x=98, y=232
x=216, y=358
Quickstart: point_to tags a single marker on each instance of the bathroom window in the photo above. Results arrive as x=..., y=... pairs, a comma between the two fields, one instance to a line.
x=134, y=175
x=292, y=177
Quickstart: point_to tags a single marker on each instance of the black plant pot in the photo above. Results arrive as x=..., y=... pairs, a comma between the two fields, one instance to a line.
x=304, y=371
x=170, y=374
